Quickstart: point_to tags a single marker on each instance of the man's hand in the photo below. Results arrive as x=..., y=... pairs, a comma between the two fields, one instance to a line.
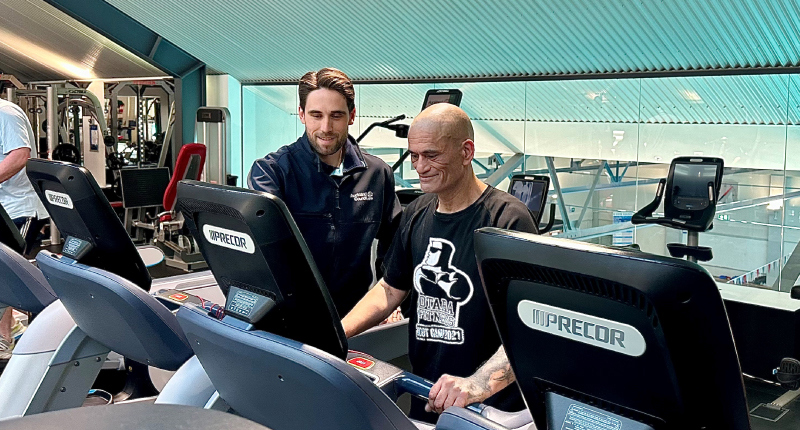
x=454, y=391
x=491, y=377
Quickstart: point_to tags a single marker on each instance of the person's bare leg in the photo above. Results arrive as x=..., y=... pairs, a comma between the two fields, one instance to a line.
x=6, y=323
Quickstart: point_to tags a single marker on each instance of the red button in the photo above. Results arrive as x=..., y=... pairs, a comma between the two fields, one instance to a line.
x=361, y=362
x=178, y=296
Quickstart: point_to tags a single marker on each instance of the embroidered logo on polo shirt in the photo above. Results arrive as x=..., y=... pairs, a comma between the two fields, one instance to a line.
x=360, y=197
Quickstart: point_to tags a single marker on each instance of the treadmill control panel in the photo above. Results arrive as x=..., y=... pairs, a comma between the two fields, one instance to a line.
x=75, y=248
x=247, y=305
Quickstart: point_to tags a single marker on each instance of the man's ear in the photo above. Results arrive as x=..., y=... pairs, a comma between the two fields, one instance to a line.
x=301, y=113
x=352, y=116
x=468, y=151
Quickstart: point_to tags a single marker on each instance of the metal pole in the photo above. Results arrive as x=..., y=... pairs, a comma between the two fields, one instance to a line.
x=560, y=197
x=52, y=141
x=693, y=239
x=11, y=94
x=591, y=193
x=141, y=124
x=221, y=152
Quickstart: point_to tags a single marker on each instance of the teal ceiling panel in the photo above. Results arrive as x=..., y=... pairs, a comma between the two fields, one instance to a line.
x=382, y=40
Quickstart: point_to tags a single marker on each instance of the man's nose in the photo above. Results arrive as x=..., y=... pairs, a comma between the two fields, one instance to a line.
x=327, y=125
x=421, y=165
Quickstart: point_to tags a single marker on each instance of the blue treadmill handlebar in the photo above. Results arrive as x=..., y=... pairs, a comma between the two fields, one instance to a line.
x=421, y=387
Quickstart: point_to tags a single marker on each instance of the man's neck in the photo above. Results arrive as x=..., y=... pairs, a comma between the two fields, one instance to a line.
x=462, y=197
x=334, y=159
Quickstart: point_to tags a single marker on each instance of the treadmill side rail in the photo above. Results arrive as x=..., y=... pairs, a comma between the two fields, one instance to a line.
x=41, y=378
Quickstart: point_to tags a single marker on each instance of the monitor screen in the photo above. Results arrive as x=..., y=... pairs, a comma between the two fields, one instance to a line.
x=687, y=196
x=531, y=190
x=691, y=180
x=433, y=97
x=641, y=328
x=256, y=252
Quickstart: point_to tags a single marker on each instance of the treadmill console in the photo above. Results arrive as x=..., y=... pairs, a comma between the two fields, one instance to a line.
x=692, y=188
x=262, y=264
x=9, y=234
x=531, y=190
x=641, y=328
x=433, y=97
x=690, y=194
x=94, y=233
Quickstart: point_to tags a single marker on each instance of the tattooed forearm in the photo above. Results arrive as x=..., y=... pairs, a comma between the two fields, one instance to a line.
x=494, y=375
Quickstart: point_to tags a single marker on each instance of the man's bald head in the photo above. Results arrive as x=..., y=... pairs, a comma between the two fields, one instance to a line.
x=444, y=121
x=441, y=147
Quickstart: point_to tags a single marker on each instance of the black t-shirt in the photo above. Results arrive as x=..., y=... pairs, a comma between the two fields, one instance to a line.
x=451, y=329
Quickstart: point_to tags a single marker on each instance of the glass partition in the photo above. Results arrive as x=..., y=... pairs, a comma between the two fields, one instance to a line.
x=605, y=143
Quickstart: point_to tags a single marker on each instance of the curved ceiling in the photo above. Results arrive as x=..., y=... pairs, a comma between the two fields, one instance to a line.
x=258, y=41
x=39, y=42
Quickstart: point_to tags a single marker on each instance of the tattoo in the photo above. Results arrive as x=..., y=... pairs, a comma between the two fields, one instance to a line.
x=492, y=376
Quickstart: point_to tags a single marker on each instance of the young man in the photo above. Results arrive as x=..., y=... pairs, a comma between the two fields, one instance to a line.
x=341, y=198
x=16, y=194
x=452, y=336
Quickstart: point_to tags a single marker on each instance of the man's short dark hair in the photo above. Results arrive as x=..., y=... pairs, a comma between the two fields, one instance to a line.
x=331, y=79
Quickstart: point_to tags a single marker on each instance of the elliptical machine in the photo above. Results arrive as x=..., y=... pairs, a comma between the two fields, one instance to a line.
x=692, y=189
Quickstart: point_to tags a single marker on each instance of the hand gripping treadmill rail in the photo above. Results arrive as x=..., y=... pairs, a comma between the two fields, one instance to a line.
x=55, y=363
x=602, y=337
x=279, y=357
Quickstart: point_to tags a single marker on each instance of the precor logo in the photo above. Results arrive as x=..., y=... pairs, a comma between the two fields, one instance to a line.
x=584, y=328
x=229, y=239
x=58, y=199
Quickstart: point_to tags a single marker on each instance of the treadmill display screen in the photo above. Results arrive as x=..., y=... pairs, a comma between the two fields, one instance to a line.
x=691, y=180
x=436, y=98
x=433, y=97
x=529, y=192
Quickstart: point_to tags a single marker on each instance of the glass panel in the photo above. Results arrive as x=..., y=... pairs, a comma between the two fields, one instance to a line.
x=588, y=129
x=379, y=102
x=790, y=269
x=743, y=120
x=269, y=119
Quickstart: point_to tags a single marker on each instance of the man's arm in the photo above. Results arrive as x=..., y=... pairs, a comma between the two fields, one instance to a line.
x=490, y=378
x=265, y=176
x=13, y=163
x=373, y=308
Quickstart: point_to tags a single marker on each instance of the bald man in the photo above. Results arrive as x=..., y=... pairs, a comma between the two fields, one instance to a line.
x=452, y=337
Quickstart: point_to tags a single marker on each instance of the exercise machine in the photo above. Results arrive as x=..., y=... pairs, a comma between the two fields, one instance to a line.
x=281, y=334
x=56, y=361
x=623, y=339
x=532, y=190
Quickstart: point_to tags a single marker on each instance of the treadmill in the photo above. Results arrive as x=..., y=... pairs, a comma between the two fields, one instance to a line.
x=601, y=337
x=42, y=374
x=279, y=356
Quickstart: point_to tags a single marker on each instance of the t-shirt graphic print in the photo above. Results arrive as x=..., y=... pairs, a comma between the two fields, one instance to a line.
x=442, y=289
